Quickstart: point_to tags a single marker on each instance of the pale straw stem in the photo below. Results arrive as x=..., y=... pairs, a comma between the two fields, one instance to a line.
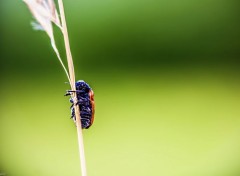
x=60, y=60
x=72, y=83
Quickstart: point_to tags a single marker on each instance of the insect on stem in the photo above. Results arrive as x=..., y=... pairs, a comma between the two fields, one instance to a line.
x=45, y=13
x=72, y=83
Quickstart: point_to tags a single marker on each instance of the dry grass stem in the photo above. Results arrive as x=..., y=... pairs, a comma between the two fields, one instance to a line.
x=45, y=14
x=72, y=78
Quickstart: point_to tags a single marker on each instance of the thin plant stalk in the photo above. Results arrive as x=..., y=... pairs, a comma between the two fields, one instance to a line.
x=72, y=83
x=45, y=13
x=60, y=60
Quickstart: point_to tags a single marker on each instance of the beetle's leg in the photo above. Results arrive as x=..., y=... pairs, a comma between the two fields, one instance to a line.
x=72, y=112
x=67, y=94
x=78, y=91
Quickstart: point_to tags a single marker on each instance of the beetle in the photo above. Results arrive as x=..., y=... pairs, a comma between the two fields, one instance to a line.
x=85, y=101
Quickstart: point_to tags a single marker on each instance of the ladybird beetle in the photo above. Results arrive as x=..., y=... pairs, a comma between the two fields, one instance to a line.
x=85, y=101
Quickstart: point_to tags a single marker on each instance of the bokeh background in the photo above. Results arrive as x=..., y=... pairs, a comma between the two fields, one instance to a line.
x=167, y=89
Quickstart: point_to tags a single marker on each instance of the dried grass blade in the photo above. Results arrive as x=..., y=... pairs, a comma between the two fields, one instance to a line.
x=44, y=11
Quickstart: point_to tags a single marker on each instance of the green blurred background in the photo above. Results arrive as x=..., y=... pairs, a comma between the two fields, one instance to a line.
x=166, y=80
